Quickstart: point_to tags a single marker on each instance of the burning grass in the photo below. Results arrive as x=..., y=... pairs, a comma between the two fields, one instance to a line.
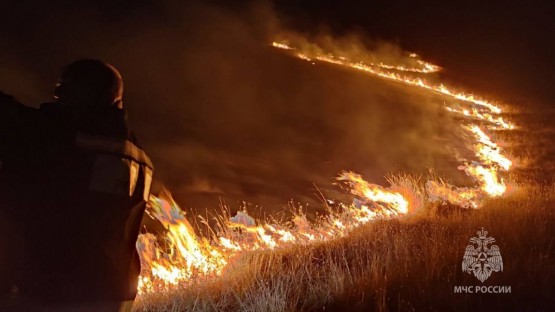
x=394, y=248
x=410, y=263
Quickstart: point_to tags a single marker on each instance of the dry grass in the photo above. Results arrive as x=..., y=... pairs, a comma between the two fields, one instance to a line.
x=402, y=265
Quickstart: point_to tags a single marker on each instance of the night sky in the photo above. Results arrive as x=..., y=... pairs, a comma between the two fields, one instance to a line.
x=225, y=116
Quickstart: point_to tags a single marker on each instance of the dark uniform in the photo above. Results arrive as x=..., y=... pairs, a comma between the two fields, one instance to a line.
x=16, y=156
x=75, y=185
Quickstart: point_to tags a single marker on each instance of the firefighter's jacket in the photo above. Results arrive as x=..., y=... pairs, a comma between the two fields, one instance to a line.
x=76, y=191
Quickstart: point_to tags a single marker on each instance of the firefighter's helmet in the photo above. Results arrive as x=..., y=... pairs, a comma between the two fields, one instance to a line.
x=90, y=82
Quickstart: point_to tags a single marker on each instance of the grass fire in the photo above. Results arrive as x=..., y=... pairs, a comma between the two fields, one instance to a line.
x=386, y=250
x=276, y=156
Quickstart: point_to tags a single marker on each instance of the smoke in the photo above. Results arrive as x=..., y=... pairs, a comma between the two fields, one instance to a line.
x=224, y=115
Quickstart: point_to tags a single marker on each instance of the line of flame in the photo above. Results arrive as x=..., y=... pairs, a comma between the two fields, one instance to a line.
x=489, y=153
x=180, y=255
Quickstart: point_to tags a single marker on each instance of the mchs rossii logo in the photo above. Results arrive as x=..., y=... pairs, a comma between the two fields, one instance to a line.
x=482, y=258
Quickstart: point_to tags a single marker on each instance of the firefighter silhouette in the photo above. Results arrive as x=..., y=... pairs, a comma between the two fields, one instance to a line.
x=73, y=189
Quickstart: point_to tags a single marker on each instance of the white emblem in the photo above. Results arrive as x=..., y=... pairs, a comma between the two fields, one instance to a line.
x=481, y=259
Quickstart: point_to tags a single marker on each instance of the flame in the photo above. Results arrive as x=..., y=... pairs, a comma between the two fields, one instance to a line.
x=423, y=67
x=281, y=46
x=488, y=179
x=179, y=256
x=375, y=193
x=487, y=150
x=497, y=122
x=376, y=70
x=186, y=254
x=485, y=171
x=462, y=196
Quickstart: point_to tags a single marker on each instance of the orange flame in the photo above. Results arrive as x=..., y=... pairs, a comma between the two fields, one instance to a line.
x=185, y=255
x=396, y=203
x=487, y=150
x=485, y=172
x=180, y=255
x=375, y=70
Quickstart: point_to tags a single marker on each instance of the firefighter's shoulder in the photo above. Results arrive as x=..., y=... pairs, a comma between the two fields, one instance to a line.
x=13, y=113
x=8, y=103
